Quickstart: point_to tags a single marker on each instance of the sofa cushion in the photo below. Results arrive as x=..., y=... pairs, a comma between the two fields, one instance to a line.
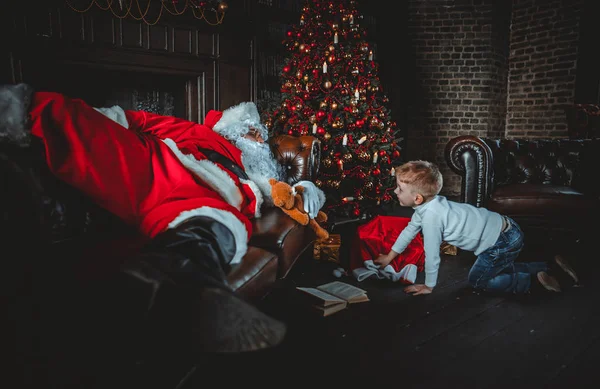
x=528, y=202
x=279, y=234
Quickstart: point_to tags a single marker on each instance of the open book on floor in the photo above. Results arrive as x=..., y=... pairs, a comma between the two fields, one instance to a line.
x=334, y=296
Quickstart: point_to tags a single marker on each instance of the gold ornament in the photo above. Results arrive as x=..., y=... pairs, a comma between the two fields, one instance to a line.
x=364, y=156
x=334, y=125
x=327, y=84
x=331, y=48
x=319, y=183
x=327, y=136
x=282, y=118
x=334, y=105
x=336, y=184
x=305, y=78
x=301, y=47
x=323, y=104
x=327, y=162
x=299, y=74
x=347, y=157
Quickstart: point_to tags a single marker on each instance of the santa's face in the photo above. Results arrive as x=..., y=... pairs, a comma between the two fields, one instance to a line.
x=258, y=159
x=254, y=135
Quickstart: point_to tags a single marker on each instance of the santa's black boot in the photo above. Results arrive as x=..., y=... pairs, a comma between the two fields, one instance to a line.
x=181, y=276
x=15, y=101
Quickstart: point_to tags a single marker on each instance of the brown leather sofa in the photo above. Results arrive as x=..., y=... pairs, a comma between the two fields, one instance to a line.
x=549, y=186
x=73, y=238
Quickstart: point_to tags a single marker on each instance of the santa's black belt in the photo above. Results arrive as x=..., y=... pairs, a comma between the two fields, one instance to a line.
x=227, y=163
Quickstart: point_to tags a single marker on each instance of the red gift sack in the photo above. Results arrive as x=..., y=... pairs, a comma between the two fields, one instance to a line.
x=377, y=237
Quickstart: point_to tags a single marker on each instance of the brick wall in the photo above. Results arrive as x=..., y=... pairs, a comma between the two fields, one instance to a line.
x=488, y=68
x=460, y=52
x=542, y=67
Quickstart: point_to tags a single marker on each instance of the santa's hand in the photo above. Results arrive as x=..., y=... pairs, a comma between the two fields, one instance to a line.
x=310, y=197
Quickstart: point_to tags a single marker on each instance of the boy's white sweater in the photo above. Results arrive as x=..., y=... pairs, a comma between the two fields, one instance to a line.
x=459, y=224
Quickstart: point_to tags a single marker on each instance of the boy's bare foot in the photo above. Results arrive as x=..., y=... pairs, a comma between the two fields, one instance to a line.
x=548, y=282
x=566, y=267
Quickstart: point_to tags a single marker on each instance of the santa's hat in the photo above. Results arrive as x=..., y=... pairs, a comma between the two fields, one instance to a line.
x=236, y=121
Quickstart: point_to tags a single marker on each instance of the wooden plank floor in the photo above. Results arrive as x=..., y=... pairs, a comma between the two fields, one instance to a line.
x=453, y=337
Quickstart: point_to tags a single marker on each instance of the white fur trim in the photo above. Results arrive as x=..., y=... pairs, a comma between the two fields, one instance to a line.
x=236, y=121
x=211, y=174
x=116, y=114
x=237, y=228
x=257, y=194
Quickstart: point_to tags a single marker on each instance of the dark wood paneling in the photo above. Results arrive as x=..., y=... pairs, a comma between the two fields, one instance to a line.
x=206, y=44
x=81, y=52
x=131, y=34
x=70, y=25
x=38, y=22
x=157, y=36
x=182, y=41
x=234, y=48
x=103, y=29
x=234, y=84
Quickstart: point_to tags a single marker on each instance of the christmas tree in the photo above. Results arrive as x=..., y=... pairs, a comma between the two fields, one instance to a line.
x=330, y=89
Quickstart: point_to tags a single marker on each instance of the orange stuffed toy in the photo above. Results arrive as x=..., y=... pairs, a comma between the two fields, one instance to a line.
x=290, y=202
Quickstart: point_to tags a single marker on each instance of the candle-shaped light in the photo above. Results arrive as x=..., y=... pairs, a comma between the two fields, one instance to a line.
x=324, y=67
x=341, y=164
x=362, y=140
x=356, y=93
x=307, y=87
x=392, y=172
x=335, y=37
x=345, y=140
x=314, y=128
x=370, y=55
x=351, y=19
x=375, y=155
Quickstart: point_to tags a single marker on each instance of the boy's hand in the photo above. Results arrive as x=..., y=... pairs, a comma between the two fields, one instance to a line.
x=418, y=289
x=382, y=260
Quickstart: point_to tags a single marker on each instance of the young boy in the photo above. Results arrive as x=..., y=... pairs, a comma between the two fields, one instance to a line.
x=496, y=239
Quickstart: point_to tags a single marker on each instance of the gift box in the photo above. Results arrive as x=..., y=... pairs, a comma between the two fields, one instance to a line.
x=448, y=249
x=328, y=249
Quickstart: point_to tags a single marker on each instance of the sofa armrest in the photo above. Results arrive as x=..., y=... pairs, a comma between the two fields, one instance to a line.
x=471, y=158
x=299, y=156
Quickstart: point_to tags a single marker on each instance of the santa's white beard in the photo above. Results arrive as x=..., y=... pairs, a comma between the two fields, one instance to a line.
x=260, y=165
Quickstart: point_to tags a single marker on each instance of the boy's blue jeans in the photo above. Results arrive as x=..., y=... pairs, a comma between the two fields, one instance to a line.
x=495, y=269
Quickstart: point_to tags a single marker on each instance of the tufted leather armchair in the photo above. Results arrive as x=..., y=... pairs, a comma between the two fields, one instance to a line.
x=57, y=231
x=549, y=186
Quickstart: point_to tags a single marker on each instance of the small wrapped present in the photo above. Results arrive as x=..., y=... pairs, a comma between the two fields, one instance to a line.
x=328, y=249
x=448, y=249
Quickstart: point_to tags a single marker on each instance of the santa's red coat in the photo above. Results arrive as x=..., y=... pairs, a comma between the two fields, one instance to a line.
x=152, y=174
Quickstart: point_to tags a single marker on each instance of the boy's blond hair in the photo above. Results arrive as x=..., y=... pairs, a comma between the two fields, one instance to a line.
x=423, y=176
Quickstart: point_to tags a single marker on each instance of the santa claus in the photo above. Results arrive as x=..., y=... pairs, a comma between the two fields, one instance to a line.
x=192, y=188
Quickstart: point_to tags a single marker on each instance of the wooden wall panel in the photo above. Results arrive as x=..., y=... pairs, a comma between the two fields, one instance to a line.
x=182, y=41
x=103, y=29
x=157, y=36
x=206, y=45
x=131, y=34
x=96, y=52
x=234, y=84
x=71, y=25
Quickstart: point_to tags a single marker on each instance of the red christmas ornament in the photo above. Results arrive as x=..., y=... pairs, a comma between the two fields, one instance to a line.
x=396, y=154
x=286, y=69
x=356, y=212
x=320, y=114
x=376, y=172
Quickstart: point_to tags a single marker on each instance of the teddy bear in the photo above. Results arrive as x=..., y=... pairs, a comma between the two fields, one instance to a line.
x=289, y=200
